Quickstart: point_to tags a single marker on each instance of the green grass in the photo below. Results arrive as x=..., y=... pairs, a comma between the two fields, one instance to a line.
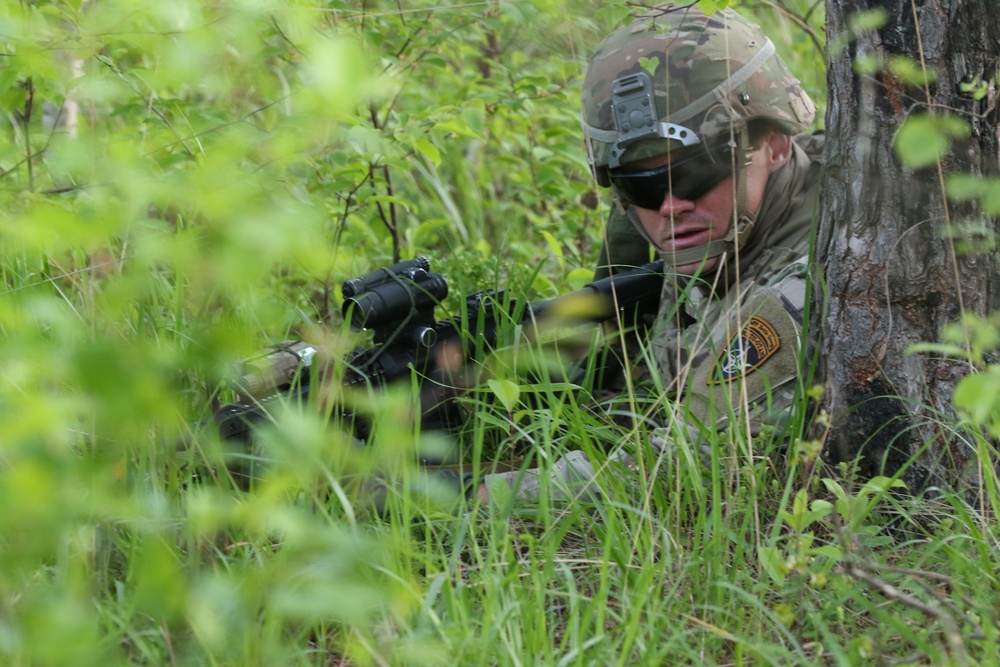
x=125, y=533
x=717, y=560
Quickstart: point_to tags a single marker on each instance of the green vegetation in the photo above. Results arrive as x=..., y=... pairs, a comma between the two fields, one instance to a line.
x=185, y=182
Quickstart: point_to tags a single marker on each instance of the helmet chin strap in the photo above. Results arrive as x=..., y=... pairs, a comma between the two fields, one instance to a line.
x=739, y=232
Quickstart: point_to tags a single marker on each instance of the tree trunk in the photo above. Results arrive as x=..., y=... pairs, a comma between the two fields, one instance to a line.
x=893, y=275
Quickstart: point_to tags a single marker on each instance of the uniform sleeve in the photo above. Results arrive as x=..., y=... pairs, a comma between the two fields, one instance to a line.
x=570, y=477
x=751, y=362
x=623, y=246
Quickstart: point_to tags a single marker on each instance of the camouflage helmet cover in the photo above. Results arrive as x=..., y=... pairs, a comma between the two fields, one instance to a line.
x=706, y=76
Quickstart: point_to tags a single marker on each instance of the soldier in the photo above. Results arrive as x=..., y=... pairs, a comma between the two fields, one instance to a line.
x=691, y=121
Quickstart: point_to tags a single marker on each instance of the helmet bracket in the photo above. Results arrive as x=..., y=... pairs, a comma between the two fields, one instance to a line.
x=634, y=110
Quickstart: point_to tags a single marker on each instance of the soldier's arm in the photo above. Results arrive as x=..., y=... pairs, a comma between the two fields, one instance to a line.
x=623, y=246
x=748, y=375
x=748, y=372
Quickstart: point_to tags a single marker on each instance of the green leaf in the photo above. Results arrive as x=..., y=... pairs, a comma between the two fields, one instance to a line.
x=919, y=144
x=803, y=513
x=910, y=72
x=924, y=139
x=835, y=488
x=963, y=187
x=577, y=278
x=13, y=98
x=506, y=391
x=991, y=200
x=937, y=348
x=785, y=614
x=712, y=6
x=554, y=246
x=806, y=450
x=337, y=72
x=830, y=551
x=868, y=20
x=821, y=507
x=774, y=564
x=542, y=285
x=966, y=187
x=461, y=127
x=867, y=65
x=427, y=230
x=880, y=485
x=977, y=89
x=613, y=15
x=428, y=150
x=979, y=396
x=649, y=64
x=475, y=118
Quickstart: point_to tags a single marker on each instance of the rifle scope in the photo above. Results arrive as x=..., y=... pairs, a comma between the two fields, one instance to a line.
x=393, y=295
x=369, y=281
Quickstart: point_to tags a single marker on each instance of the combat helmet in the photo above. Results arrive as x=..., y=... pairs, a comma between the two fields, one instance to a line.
x=679, y=81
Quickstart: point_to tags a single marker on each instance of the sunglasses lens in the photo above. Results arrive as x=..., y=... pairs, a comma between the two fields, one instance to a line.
x=644, y=189
x=687, y=179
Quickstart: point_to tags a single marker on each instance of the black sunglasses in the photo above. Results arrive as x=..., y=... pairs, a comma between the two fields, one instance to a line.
x=689, y=179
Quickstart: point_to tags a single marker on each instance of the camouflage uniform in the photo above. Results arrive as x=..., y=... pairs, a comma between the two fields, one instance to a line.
x=727, y=344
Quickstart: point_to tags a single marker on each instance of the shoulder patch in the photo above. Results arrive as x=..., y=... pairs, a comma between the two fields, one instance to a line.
x=748, y=350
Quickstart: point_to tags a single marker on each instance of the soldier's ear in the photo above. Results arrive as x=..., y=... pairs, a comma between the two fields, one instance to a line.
x=777, y=150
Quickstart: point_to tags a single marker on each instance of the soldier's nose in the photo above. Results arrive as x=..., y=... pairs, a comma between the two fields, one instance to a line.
x=672, y=205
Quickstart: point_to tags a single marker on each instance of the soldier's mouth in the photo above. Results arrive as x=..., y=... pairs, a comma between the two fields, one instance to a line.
x=688, y=239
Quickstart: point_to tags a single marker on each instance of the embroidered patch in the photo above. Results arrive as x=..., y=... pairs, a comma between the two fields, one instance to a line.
x=746, y=351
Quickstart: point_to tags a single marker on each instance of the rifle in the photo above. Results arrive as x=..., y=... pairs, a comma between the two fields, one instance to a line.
x=397, y=303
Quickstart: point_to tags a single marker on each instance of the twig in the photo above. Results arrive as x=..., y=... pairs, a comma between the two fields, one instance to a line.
x=922, y=574
x=28, y=106
x=111, y=65
x=802, y=22
x=952, y=634
x=922, y=578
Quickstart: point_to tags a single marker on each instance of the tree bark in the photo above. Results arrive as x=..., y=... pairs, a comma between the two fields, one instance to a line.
x=893, y=276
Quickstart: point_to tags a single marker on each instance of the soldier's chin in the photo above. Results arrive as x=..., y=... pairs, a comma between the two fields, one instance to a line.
x=701, y=267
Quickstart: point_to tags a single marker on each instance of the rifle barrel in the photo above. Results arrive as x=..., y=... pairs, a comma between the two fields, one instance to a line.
x=599, y=300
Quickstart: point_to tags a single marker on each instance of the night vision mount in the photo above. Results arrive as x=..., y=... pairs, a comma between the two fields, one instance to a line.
x=634, y=109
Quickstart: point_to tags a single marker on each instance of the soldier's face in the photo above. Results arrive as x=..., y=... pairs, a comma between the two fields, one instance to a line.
x=679, y=223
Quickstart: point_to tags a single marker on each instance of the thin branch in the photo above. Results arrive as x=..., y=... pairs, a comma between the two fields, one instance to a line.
x=943, y=579
x=221, y=126
x=347, y=208
x=28, y=107
x=363, y=13
x=861, y=573
x=149, y=101
x=801, y=21
x=41, y=151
